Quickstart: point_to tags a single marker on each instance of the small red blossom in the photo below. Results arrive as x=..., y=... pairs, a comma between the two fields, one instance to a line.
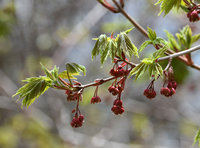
x=95, y=99
x=117, y=107
x=77, y=121
x=193, y=16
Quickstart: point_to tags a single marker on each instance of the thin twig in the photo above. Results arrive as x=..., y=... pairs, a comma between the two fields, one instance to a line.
x=137, y=25
x=102, y=81
x=179, y=53
x=169, y=64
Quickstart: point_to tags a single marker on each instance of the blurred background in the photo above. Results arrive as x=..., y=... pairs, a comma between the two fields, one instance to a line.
x=56, y=32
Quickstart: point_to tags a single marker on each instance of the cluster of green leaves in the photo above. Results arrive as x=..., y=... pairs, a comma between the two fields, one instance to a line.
x=149, y=64
x=167, y=5
x=107, y=46
x=184, y=40
x=36, y=86
x=153, y=40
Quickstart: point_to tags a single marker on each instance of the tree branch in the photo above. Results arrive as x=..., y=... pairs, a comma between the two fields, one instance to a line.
x=144, y=32
x=179, y=53
x=137, y=25
x=101, y=81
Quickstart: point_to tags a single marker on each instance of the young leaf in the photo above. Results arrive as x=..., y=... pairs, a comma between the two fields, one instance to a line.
x=172, y=41
x=197, y=138
x=113, y=49
x=148, y=61
x=124, y=44
x=151, y=34
x=160, y=52
x=128, y=30
x=105, y=53
x=151, y=70
x=75, y=68
x=185, y=37
x=144, y=45
x=141, y=71
x=99, y=45
x=64, y=75
x=47, y=72
x=195, y=38
x=121, y=44
x=71, y=69
x=80, y=68
x=35, y=87
x=136, y=69
x=53, y=74
x=131, y=48
x=161, y=40
x=159, y=70
x=167, y=5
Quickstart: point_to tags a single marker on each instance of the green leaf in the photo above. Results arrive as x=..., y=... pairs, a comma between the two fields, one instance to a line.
x=144, y=45
x=34, y=87
x=47, y=72
x=105, y=53
x=64, y=75
x=195, y=38
x=80, y=68
x=172, y=41
x=53, y=74
x=121, y=44
x=128, y=30
x=160, y=52
x=141, y=71
x=131, y=48
x=148, y=61
x=136, y=69
x=124, y=44
x=188, y=34
x=185, y=37
x=151, y=34
x=159, y=70
x=151, y=70
x=167, y=5
x=112, y=49
x=73, y=68
x=99, y=45
x=197, y=138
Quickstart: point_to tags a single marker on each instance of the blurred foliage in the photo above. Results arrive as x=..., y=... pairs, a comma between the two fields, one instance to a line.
x=116, y=26
x=7, y=18
x=181, y=71
x=140, y=123
x=23, y=131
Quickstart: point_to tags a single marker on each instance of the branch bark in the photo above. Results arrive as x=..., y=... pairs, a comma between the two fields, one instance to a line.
x=137, y=25
x=180, y=53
